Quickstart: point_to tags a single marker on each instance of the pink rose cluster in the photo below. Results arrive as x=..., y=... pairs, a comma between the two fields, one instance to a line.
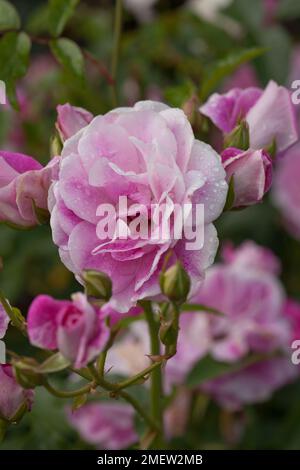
x=257, y=319
x=267, y=117
x=149, y=154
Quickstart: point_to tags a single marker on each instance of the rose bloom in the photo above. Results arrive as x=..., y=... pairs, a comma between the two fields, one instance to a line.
x=269, y=113
x=257, y=319
x=149, y=154
x=286, y=189
x=12, y=395
x=24, y=186
x=251, y=171
x=106, y=425
x=76, y=328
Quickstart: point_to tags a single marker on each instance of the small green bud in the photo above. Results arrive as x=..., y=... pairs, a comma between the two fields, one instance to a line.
x=97, y=284
x=175, y=283
x=25, y=374
x=239, y=137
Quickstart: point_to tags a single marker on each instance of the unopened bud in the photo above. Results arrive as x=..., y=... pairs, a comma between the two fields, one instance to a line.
x=97, y=284
x=175, y=283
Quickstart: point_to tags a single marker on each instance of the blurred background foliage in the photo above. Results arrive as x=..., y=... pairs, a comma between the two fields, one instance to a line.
x=168, y=55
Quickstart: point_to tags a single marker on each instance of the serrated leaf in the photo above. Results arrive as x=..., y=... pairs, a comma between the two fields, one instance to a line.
x=9, y=18
x=14, y=58
x=208, y=368
x=54, y=363
x=69, y=55
x=201, y=308
x=225, y=67
x=59, y=12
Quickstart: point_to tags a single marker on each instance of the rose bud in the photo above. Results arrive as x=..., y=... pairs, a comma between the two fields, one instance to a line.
x=76, y=328
x=97, y=284
x=24, y=185
x=175, y=283
x=251, y=171
x=71, y=119
x=13, y=398
x=269, y=114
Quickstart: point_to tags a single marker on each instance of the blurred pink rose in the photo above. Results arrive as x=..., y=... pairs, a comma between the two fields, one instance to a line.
x=149, y=154
x=71, y=119
x=257, y=320
x=252, y=174
x=106, y=425
x=24, y=185
x=12, y=395
x=253, y=384
x=244, y=77
x=252, y=301
x=4, y=321
x=249, y=255
x=74, y=327
x=292, y=312
x=270, y=10
x=269, y=113
x=286, y=189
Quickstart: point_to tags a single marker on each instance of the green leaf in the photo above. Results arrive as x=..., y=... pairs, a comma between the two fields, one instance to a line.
x=179, y=94
x=14, y=58
x=59, y=12
x=200, y=308
x=9, y=18
x=69, y=55
x=54, y=363
x=225, y=67
x=208, y=368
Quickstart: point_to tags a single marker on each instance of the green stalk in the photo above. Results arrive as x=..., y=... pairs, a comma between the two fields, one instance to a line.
x=113, y=388
x=67, y=394
x=116, y=49
x=156, y=391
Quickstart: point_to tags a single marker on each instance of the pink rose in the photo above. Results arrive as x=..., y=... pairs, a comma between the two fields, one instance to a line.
x=286, y=189
x=24, y=185
x=149, y=154
x=74, y=327
x=292, y=312
x=12, y=395
x=249, y=255
x=254, y=384
x=105, y=425
x=252, y=302
x=252, y=174
x=270, y=114
x=71, y=119
x=4, y=321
